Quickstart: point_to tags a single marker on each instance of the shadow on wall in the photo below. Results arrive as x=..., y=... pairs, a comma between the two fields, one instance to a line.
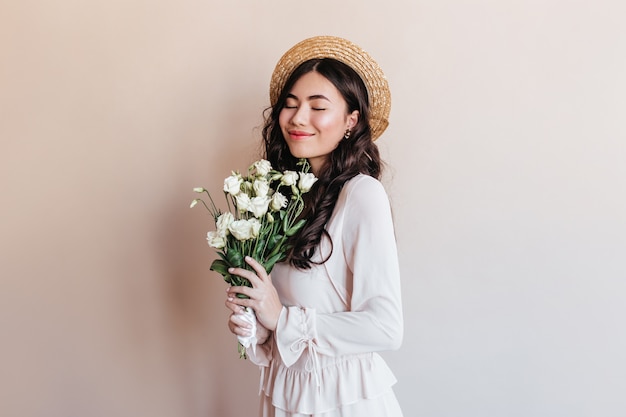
x=211, y=377
x=174, y=311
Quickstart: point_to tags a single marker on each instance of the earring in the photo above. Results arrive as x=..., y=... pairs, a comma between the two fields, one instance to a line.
x=347, y=134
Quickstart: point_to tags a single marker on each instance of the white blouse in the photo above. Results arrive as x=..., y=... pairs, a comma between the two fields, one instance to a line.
x=338, y=314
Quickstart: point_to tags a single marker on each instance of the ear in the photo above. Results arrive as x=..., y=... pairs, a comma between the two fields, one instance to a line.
x=353, y=119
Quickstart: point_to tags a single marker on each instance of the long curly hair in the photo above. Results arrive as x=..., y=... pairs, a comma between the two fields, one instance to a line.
x=355, y=155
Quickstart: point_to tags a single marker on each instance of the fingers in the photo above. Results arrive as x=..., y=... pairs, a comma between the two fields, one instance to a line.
x=235, y=308
x=255, y=277
x=238, y=326
x=258, y=268
x=244, y=273
x=232, y=295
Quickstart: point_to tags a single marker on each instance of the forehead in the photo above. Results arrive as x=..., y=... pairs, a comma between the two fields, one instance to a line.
x=314, y=84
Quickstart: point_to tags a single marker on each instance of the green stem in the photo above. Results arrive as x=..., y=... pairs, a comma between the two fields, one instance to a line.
x=215, y=210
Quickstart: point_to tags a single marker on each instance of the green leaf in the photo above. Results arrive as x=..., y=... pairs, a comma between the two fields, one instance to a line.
x=221, y=267
x=260, y=247
x=279, y=247
x=269, y=264
x=274, y=240
x=285, y=223
x=234, y=258
x=295, y=228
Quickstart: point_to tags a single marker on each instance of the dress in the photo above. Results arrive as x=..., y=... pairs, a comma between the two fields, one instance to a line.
x=322, y=360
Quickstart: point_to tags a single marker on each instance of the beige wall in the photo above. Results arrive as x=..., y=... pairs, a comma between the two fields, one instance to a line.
x=506, y=149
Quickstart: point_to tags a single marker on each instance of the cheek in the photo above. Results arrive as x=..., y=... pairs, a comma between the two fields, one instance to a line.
x=329, y=123
x=282, y=118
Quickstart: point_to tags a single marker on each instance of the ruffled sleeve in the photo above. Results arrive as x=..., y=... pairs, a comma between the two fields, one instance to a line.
x=296, y=327
x=262, y=354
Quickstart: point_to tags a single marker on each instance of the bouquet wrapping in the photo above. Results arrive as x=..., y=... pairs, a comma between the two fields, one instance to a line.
x=264, y=208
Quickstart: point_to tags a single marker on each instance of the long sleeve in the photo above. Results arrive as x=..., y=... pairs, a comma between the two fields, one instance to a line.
x=364, y=270
x=262, y=354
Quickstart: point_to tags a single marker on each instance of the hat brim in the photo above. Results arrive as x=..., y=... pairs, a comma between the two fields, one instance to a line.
x=350, y=54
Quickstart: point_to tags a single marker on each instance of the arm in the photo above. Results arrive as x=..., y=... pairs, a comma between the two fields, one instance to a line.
x=374, y=320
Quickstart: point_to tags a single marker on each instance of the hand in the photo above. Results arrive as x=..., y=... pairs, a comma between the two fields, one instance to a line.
x=240, y=327
x=263, y=298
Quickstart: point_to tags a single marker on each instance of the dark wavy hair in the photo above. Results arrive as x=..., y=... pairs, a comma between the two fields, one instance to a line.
x=354, y=155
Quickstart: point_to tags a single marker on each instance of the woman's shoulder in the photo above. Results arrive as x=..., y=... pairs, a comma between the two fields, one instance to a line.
x=363, y=192
x=364, y=185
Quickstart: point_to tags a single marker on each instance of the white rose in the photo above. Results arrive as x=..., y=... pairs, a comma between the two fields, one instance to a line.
x=241, y=229
x=261, y=187
x=289, y=178
x=255, y=226
x=223, y=221
x=216, y=240
x=232, y=184
x=262, y=167
x=306, y=181
x=278, y=201
x=258, y=206
x=242, y=201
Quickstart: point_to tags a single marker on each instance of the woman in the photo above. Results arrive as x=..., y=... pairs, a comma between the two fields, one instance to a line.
x=325, y=312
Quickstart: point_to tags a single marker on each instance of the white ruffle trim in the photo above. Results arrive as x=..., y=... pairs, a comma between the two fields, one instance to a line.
x=343, y=382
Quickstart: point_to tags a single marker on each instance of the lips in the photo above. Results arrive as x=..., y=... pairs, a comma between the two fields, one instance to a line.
x=298, y=134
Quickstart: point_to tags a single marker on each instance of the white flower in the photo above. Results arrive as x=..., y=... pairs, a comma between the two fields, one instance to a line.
x=193, y=203
x=306, y=181
x=255, y=224
x=289, y=178
x=242, y=200
x=245, y=229
x=258, y=206
x=198, y=190
x=262, y=167
x=223, y=222
x=216, y=240
x=261, y=187
x=232, y=184
x=278, y=201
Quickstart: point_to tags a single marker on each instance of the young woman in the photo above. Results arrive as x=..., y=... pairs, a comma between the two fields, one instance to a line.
x=325, y=312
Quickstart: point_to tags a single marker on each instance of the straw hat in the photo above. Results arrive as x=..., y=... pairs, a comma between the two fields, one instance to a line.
x=351, y=55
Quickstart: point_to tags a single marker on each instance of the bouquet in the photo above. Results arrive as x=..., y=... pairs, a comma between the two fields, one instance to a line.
x=264, y=210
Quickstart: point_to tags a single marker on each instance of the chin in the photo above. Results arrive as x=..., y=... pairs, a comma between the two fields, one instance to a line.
x=298, y=153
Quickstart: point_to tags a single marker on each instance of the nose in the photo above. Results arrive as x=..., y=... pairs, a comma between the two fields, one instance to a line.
x=299, y=116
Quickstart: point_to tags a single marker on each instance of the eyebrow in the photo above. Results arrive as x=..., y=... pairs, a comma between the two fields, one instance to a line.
x=310, y=98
